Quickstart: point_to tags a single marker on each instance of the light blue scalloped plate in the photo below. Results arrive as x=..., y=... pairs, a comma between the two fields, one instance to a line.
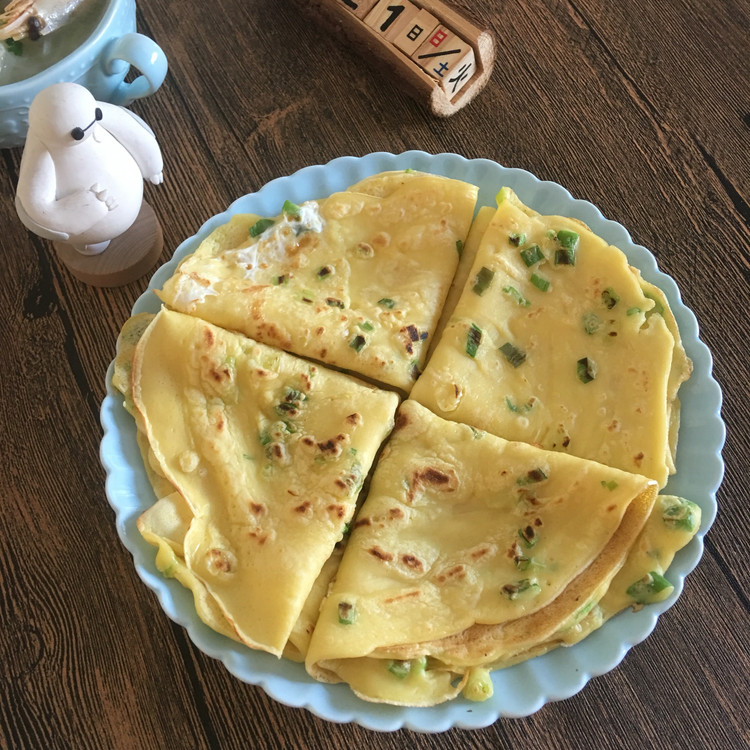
x=520, y=690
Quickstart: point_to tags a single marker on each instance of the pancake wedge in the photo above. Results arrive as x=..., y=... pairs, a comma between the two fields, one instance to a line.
x=353, y=280
x=558, y=342
x=468, y=548
x=269, y=453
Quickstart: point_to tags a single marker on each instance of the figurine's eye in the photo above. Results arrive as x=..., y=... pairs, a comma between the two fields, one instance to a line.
x=78, y=133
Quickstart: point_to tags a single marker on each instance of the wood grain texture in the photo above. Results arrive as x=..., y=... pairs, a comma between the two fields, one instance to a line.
x=641, y=108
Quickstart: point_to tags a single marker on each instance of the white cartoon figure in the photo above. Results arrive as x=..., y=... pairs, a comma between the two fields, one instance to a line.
x=82, y=169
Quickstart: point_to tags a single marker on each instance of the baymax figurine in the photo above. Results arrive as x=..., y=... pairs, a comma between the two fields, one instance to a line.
x=82, y=170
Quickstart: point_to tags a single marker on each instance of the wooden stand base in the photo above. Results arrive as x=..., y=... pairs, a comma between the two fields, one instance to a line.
x=127, y=258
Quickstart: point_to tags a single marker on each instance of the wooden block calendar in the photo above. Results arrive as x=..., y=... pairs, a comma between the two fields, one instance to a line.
x=431, y=51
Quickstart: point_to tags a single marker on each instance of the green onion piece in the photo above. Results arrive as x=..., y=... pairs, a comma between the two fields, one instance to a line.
x=610, y=298
x=533, y=476
x=658, y=308
x=633, y=311
x=459, y=247
x=517, y=296
x=324, y=271
x=291, y=209
x=539, y=282
x=399, y=668
x=567, y=239
x=645, y=590
x=502, y=194
x=478, y=686
x=365, y=325
x=517, y=239
x=565, y=257
x=591, y=323
x=14, y=47
x=532, y=254
x=483, y=280
x=513, y=590
x=513, y=354
x=680, y=514
x=387, y=302
x=278, y=280
x=522, y=562
x=473, y=339
x=610, y=485
x=347, y=613
x=528, y=536
x=527, y=407
x=334, y=302
x=308, y=296
x=586, y=369
x=357, y=343
x=260, y=226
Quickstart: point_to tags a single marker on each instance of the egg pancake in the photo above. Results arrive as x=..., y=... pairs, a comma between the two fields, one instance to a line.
x=467, y=547
x=558, y=342
x=269, y=453
x=356, y=281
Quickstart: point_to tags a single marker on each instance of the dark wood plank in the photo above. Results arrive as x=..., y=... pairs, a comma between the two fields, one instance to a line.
x=642, y=110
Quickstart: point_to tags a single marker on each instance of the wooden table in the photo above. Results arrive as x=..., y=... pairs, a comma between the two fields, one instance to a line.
x=641, y=108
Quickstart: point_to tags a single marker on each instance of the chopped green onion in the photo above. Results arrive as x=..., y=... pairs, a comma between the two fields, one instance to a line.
x=517, y=239
x=478, y=686
x=591, y=323
x=610, y=298
x=567, y=239
x=681, y=514
x=532, y=254
x=565, y=257
x=512, y=590
x=517, y=296
x=522, y=562
x=365, y=325
x=308, y=296
x=459, y=247
x=528, y=536
x=14, y=47
x=260, y=226
x=334, y=302
x=533, y=476
x=528, y=406
x=610, y=485
x=633, y=311
x=357, y=343
x=483, y=280
x=324, y=271
x=278, y=280
x=658, y=308
x=399, y=668
x=387, y=302
x=645, y=590
x=513, y=354
x=586, y=369
x=473, y=339
x=291, y=209
x=502, y=194
x=347, y=613
x=539, y=282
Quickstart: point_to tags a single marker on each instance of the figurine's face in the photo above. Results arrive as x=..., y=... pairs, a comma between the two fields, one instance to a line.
x=64, y=115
